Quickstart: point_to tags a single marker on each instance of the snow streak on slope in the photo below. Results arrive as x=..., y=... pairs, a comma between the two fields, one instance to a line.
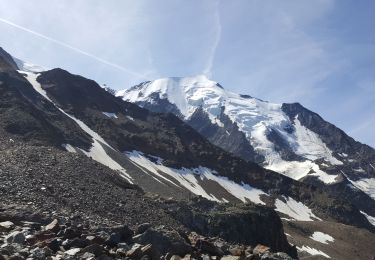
x=191, y=179
x=312, y=251
x=294, y=209
x=369, y=218
x=254, y=117
x=110, y=115
x=97, y=152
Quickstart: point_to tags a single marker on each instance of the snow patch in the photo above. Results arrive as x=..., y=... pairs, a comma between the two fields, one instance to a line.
x=294, y=209
x=189, y=178
x=312, y=251
x=110, y=115
x=367, y=185
x=322, y=237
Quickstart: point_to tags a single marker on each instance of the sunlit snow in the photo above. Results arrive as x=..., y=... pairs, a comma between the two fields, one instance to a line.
x=254, y=117
x=295, y=209
x=322, y=237
x=188, y=178
x=370, y=219
x=110, y=115
x=312, y=251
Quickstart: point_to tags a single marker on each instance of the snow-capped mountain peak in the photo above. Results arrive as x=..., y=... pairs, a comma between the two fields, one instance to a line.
x=28, y=67
x=282, y=139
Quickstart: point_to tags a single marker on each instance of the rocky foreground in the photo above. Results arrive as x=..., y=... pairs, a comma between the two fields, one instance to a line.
x=28, y=235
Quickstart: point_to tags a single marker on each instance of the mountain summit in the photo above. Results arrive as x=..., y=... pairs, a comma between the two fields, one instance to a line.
x=286, y=138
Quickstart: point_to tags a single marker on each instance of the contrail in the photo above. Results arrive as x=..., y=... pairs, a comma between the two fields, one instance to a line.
x=73, y=48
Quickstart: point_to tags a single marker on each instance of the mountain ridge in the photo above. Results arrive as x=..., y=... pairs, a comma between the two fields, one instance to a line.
x=157, y=152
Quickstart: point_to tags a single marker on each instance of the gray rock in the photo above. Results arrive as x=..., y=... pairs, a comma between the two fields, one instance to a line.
x=113, y=239
x=38, y=253
x=164, y=241
x=230, y=257
x=142, y=228
x=95, y=249
x=16, y=237
x=6, y=225
x=53, y=226
x=88, y=255
x=73, y=251
x=276, y=256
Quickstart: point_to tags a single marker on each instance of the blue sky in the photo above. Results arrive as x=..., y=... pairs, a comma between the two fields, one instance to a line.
x=320, y=53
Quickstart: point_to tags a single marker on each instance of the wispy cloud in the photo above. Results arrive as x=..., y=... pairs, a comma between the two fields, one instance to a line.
x=90, y=55
x=217, y=31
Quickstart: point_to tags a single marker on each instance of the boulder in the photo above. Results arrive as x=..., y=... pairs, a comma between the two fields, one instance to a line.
x=6, y=225
x=70, y=233
x=146, y=250
x=113, y=239
x=124, y=231
x=73, y=251
x=142, y=228
x=275, y=256
x=16, y=237
x=76, y=242
x=53, y=244
x=95, y=249
x=164, y=241
x=237, y=250
x=88, y=255
x=53, y=226
x=93, y=239
x=208, y=247
x=134, y=252
x=38, y=253
x=261, y=249
x=16, y=257
x=230, y=257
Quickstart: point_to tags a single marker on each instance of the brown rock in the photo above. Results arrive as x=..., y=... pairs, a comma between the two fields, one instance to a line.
x=261, y=249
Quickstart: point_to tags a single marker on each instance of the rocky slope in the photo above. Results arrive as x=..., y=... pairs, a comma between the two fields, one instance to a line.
x=70, y=147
